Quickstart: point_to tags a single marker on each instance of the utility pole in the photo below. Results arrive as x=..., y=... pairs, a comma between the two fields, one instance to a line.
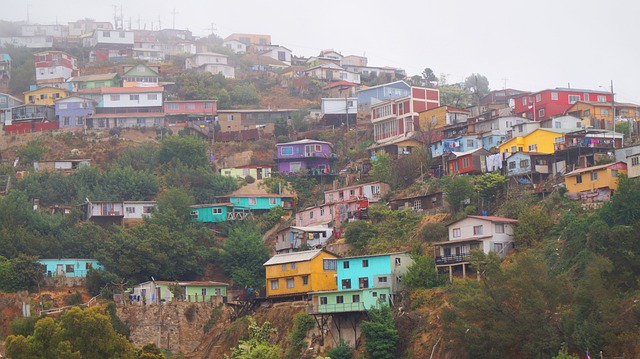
x=174, y=18
x=613, y=115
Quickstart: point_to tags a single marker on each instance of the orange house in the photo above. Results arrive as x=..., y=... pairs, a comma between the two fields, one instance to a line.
x=300, y=273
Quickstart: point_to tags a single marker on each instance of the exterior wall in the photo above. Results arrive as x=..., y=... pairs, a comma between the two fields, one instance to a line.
x=256, y=202
x=54, y=65
x=373, y=191
x=295, y=156
x=516, y=165
x=235, y=46
x=78, y=28
x=209, y=107
x=488, y=229
x=250, y=39
x=318, y=280
x=315, y=215
x=204, y=59
x=206, y=215
x=137, y=210
x=372, y=95
x=226, y=70
x=339, y=106
x=104, y=209
x=544, y=141
x=115, y=99
x=69, y=267
x=30, y=42
x=72, y=112
x=133, y=120
x=566, y=122
x=113, y=37
x=265, y=172
x=544, y=100
x=8, y=101
x=379, y=271
x=366, y=299
x=44, y=30
x=633, y=166
x=158, y=292
x=291, y=238
x=605, y=179
x=45, y=96
x=431, y=203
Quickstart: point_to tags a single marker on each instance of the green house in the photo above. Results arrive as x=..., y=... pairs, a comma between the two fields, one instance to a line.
x=355, y=300
x=140, y=73
x=89, y=82
x=211, y=213
x=156, y=292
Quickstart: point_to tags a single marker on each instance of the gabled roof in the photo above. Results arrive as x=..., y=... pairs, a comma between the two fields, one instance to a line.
x=134, y=69
x=207, y=205
x=208, y=54
x=459, y=154
x=327, y=65
x=341, y=83
x=125, y=90
x=295, y=257
x=47, y=87
x=303, y=142
x=494, y=219
x=594, y=168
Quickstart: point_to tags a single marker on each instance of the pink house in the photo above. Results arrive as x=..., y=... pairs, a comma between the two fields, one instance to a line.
x=372, y=191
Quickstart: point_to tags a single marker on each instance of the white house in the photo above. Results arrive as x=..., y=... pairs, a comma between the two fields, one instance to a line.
x=235, y=46
x=211, y=62
x=289, y=239
x=109, y=37
x=488, y=233
x=279, y=53
x=135, y=211
x=339, y=106
x=31, y=42
x=44, y=30
x=566, y=122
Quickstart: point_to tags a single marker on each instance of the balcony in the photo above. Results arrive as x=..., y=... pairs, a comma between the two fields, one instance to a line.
x=443, y=260
x=296, y=156
x=336, y=308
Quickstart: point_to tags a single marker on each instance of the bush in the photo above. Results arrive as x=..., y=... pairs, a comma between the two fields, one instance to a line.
x=190, y=313
x=249, y=179
x=73, y=299
x=23, y=326
x=341, y=351
x=302, y=324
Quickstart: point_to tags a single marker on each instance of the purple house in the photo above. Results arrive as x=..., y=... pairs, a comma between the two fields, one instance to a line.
x=313, y=157
x=72, y=111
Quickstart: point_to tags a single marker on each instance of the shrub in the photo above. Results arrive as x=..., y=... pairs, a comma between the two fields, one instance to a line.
x=23, y=326
x=73, y=299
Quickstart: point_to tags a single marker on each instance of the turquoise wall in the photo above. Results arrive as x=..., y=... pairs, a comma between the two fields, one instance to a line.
x=368, y=298
x=379, y=265
x=78, y=266
x=261, y=202
x=206, y=215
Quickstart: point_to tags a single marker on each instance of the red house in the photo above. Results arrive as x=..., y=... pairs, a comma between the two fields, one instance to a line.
x=470, y=162
x=546, y=104
x=177, y=113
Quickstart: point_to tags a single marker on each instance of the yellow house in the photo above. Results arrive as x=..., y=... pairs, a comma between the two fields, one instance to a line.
x=45, y=95
x=299, y=273
x=542, y=140
x=595, y=183
x=599, y=114
x=256, y=171
x=442, y=116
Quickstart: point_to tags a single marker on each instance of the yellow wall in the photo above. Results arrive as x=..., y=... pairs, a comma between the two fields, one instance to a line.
x=605, y=180
x=49, y=92
x=426, y=117
x=239, y=172
x=319, y=279
x=544, y=140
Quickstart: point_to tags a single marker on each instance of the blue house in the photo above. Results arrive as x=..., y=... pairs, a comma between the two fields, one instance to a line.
x=72, y=111
x=257, y=202
x=375, y=94
x=363, y=282
x=69, y=267
x=212, y=213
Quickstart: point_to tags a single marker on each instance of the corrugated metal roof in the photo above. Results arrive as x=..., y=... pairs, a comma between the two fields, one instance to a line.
x=293, y=257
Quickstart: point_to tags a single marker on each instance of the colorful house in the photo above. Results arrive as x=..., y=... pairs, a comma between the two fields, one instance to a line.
x=30, y=118
x=256, y=171
x=542, y=140
x=54, y=65
x=300, y=273
x=470, y=162
x=364, y=282
x=126, y=107
x=5, y=72
x=140, y=75
x=72, y=111
x=258, y=202
x=373, y=191
x=530, y=168
x=549, y=103
x=430, y=203
x=310, y=156
x=216, y=213
x=106, y=213
x=594, y=184
x=179, y=112
x=65, y=166
x=157, y=292
x=69, y=267
x=94, y=81
x=45, y=95
x=488, y=233
x=291, y=238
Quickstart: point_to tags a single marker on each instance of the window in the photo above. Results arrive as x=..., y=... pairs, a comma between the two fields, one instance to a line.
x=602, y=98
x=499, y=227
x=130, y=209
x=293, y=266
x=321, y=211
x=554, y=96
x=579, y=179
x=465, y=162
x=305, y=280
x=614, y=173
x=69, y=268
x=635, y=161
x=252, y=201
x=513, y=149
x=538, y=97
x=574, y=98
x=122, y=34
x=585, y=96
x=477, y=230
x=346, y=284
x=329, y=264
x=363, y=282
x=272, y=201
x=365, y=263
x=558, y=124
x=152, y=96
x=497, y=247
x=290, y=283
x=141, y=121
x=106, y=34
x=282, y=56
x=470, y=143
x=512, y=165
x=204, y=292
x=524, y=164
x=355, y=298
x=398, y=261
x=88, y=265
x=323, y=300
x=375, y=189
x=114, y=97
x=417, y=204
x=533, y=148
x=541, y=112
x=383, y=297
x=586, y=113
x=134, y=97
x=194, y=214
x=345, y=264
x=382, y=279
x=147, y=209
x=79, y=121
x=456, y=232
x=274, y=284
x=311, y=215
x=287, y=151
x=604, y=111
x=66, y=120
x=189, y=106
x=339, y=299
x=594, y=176
x=524, y=101
x=284, y=267
x=216, y=210
x=208, y=105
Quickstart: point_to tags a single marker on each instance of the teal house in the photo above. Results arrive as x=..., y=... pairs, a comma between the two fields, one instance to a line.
x=69, y=267
x=156, y=292
x=364, y=282
x=89, y=82
x=258, y=202
x=211, y=213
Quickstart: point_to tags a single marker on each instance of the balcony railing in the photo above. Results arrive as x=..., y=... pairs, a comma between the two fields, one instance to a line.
x=453, y=259
x=336, y=308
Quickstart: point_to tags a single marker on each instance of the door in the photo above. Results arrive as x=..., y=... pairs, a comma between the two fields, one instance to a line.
x=59, y=269
x=259, y=173
x=295, y=166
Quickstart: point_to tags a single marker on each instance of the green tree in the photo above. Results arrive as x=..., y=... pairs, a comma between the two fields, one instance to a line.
x=258, y=345
x=490, y=185
x=359, y=234
x=302, y=323
x=430, y=78
x=381, y=336
x=31, y=152
x=459, y=190
x=177, y=201
x=422, y=274
x=340, y=351
x=478, y=85
x=245, y=94
x=243, y=256
x=533, y=225
x=454, y=95
x=382, y=169
x=191, y=151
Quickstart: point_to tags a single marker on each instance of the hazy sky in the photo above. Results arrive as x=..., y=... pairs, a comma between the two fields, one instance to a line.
x=530, y=45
